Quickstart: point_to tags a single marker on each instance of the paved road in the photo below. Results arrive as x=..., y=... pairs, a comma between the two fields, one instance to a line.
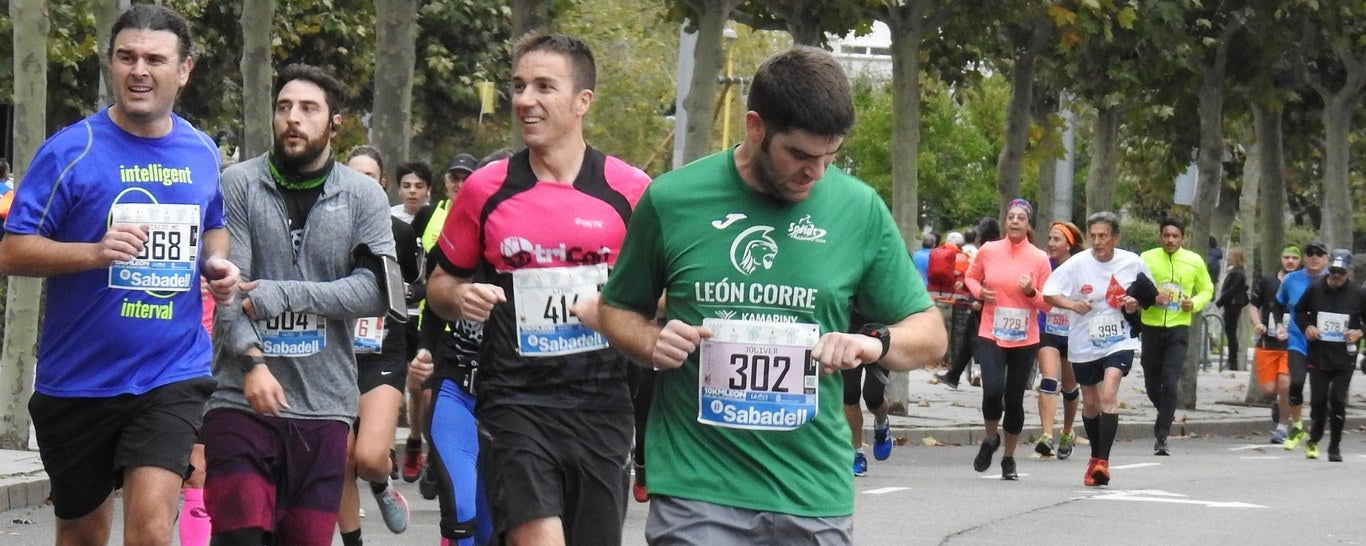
x=1211, y=491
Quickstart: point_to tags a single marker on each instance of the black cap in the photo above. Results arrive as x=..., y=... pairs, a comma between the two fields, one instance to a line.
x=1342, y=259
x=463, y=162
x=1315, y=247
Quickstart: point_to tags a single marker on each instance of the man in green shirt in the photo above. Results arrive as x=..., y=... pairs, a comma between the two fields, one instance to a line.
x=1183, y=289
x=766, y=246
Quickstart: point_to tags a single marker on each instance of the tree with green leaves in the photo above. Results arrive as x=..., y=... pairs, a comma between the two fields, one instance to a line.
x=708, y=19
x=808, y=21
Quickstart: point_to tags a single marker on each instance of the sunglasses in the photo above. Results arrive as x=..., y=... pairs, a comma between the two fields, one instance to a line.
x=1315, y=252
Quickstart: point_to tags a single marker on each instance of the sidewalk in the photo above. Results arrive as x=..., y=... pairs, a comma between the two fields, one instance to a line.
x=935, y=412
x=954, y=416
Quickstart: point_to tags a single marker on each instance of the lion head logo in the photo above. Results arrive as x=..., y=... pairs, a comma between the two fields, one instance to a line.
x=753, y=248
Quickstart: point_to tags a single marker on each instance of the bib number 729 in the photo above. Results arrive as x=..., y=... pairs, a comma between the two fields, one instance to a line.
x=755, y=372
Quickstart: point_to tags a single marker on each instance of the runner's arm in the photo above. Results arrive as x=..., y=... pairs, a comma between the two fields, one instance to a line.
x=454, y=297
x=917, y=340
x=33, y=255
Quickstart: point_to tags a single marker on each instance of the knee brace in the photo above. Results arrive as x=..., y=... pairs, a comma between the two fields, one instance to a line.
x=1048, y=385
x=1072, y=395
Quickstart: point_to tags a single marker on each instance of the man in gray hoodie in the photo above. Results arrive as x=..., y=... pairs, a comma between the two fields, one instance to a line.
x=307, y=234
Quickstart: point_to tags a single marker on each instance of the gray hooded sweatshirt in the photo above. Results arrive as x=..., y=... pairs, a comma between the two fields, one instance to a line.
x=324, y=282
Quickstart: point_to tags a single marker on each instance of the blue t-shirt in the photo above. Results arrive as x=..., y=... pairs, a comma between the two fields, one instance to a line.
x=921, y=259
x=99, y=341
x=1292, y=288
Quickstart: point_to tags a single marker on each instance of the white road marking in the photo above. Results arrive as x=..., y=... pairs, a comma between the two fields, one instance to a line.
x=998, y=476
x=1254, y=446
x=1261, y=457
x=885, y=490
x=1135, y=465
x=1154, y=495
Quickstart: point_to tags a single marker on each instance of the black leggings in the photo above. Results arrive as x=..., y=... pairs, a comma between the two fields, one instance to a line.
x=1231, y=316
x=964, y=323
x=1005, y=376
x=642, y=395
x=1328, y=401
x=1298, y=365
x=873, y=380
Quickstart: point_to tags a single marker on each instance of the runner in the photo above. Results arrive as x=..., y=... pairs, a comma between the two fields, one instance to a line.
x=524, y=239
x=1064, y=240
x=1007, y=277
x=1103, y=286
x=122, y=214
x=1292, y=288
x=1332, y=311
x=765, y=247
x=310, y=236
x=381, y=359
x=1270, y=357
x=1183, y=290
x=870, y=382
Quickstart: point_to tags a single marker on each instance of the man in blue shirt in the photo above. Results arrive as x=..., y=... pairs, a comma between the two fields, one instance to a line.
x=1292, y=288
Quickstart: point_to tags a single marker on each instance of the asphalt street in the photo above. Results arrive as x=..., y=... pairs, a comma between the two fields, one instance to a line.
x=1212, y=490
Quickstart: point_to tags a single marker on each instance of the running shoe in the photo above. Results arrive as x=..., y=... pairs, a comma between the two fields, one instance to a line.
x=1100, y=473
x=1311, y=450
x=1008, y=469
x=1089, y=480
x=983, y=460
x=860, y=464
x=393, y=508
x=413, y=460
x=1278, y=436
x=975, y=380
x=943, y=379
x=882, y=441
x=1334, y=454
x=426, y=485
x=1045, y=446
x=1065, y=443
x=638, y=489
x=1160, y=447
x=1296, y=436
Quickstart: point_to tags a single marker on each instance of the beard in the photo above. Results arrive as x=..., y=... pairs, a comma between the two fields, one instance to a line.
x=764, y=173
x=296, y=161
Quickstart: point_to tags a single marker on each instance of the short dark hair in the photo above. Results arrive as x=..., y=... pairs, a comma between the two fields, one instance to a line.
x=4, y=168
x=1105, y=217
x=929, y=240
x=1172, y=221
x=970, y=236
x=367, y=151
x=153, y=17
x=581, y=63
x=422, y=170
x=989, y=229
x=332, y=89
x=803, y=88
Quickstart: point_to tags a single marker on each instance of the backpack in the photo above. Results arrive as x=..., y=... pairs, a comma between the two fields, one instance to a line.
x=940, y=271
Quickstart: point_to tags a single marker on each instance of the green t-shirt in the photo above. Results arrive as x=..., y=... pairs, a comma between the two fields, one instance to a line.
x=721, y=250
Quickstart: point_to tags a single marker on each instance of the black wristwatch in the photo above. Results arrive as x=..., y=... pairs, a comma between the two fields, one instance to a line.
x=880, y=333
x=252, y=362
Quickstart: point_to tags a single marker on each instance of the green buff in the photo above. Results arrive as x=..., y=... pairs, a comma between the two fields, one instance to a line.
x=298, y=181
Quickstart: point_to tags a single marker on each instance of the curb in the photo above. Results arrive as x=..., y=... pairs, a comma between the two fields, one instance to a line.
x=24, y=490
x=1129, y=430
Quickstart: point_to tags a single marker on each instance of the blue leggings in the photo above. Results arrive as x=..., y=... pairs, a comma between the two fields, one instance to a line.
x=465, y=515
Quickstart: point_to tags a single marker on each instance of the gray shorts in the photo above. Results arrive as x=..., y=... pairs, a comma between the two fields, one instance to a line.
x=678, y=522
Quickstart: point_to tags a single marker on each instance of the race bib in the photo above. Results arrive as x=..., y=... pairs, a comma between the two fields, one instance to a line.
x=1173, y=291
x=1332, y=327
x=368, y=337
x=1107, y=330
x=1056, y=324
x=757, y=375
x=1010, y=324
x=544, y=297
x=292, y=334
x=167, y=261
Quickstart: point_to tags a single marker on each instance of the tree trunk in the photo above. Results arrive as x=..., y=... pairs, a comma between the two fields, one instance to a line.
x=30, y=25
x=395, y=57
x=1100, y=180
x=1010, y=162
x=1337, y=196
x=1044, y=104
x=1247, y=239
x=805, y=30
x=907, y=34
x=1271, y=216
x=257, y=23
x=105, y=15
x=707, y=64
x=1211, y=168
x=530, y=16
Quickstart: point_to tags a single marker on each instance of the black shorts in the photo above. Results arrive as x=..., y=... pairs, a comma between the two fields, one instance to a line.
x=1092, y=373
x=380, y=369
x=1054, y=341
x=87, y=443
x=549, y=462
